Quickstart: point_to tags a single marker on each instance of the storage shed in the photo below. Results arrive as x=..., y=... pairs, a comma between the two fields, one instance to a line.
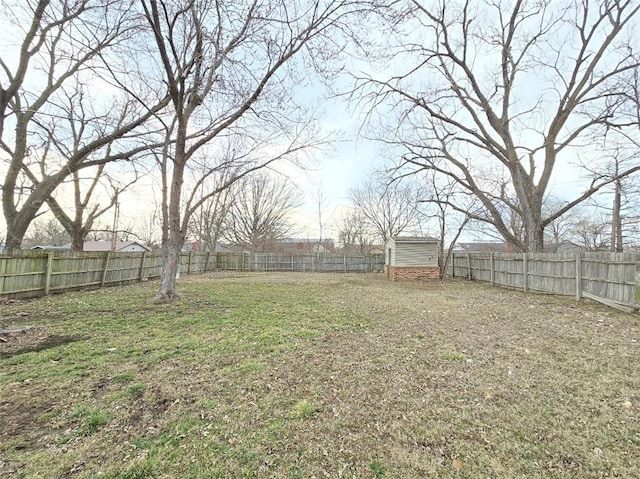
x=412, y=258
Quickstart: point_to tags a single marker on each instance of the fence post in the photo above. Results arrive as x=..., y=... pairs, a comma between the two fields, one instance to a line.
x=578, y=275
x=3, y=273
x=292, y=262
x=469, y=265
x=47, y=273
x=189, y=262
x=525, y=273
x=345, y=263
x=453, y=265
x=141, y=275
x=206, y=261
x=493, y=270
x=104, y=271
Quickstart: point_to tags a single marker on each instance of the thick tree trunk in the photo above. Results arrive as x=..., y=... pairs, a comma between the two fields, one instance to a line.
x=530, y=202
x=175, y=239
x=16, y=229
x=18, y=221
x=170, y=262
x=535, y=238
x=77, y=241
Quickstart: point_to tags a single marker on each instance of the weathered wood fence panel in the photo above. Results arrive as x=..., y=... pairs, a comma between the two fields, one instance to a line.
x=606, y=277
x=305, y=262
x=36, y=273
x=610, y=275
x=25, y=274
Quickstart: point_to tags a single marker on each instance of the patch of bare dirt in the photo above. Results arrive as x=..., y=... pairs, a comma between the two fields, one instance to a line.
x=31, y=339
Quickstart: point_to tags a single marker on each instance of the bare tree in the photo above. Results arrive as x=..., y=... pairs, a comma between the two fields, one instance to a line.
x=46, y=232
x=622, y=195
x=320, y=199
x=516, y=88
x=451, y=223
x=559, y=230
x=228, y=66
x=352, y=233
x=148, y=228
x=259, y=214
x=592, y=231
x=100, y=232
x=624, y=134
x=206, y=224
x=50, y=126
x=79, y=220
x=390, y=207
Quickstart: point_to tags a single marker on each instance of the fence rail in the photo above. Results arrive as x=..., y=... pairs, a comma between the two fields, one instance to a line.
x=37, y=273
x=606, y=277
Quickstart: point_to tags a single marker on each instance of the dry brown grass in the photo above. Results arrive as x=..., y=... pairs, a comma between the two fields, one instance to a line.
x=318, y=375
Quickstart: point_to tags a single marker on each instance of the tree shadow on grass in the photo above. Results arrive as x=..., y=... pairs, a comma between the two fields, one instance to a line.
x=37, y=346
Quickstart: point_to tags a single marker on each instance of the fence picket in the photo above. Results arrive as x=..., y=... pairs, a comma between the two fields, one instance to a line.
x=608, y=276
x=35, y=273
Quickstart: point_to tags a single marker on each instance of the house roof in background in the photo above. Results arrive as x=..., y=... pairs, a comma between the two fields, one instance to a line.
x=65, y=247
x=106, y=245
x=305, y=240
x=486, y=247
x=415, y=239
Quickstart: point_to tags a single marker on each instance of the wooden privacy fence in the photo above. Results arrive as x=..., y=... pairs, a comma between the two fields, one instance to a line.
x=37, y=273
x=606, y=277
x=329, y=263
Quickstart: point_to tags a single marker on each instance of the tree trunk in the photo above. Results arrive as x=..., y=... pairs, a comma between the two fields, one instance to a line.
x=77, y=240
x=175, y=239
x=170, y=265
x=443, y=270
x=534, y=232
x=530, y=202
x=18, y=221
x=15, y=233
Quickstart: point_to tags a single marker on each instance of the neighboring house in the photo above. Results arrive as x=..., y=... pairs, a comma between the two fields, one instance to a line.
x=376, y=250
x=305, y=245
x=486, y=247
x=120, y=246
x=412, y=258
x=563, y=247
x=66, y=247
x=198, y=246
x=502, y=247
x=320, y=248
x=223, y=248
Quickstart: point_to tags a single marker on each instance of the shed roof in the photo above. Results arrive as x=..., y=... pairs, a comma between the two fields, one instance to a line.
x=415, y=239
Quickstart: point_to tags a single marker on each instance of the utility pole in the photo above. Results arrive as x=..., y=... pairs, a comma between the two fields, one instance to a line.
x=616, y=218
x=114, y=231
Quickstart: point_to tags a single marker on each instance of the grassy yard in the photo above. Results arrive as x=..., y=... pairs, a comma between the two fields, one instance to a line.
x=304, y=375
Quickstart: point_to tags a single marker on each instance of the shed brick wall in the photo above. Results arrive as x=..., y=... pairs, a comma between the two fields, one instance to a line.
x=412, y=273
